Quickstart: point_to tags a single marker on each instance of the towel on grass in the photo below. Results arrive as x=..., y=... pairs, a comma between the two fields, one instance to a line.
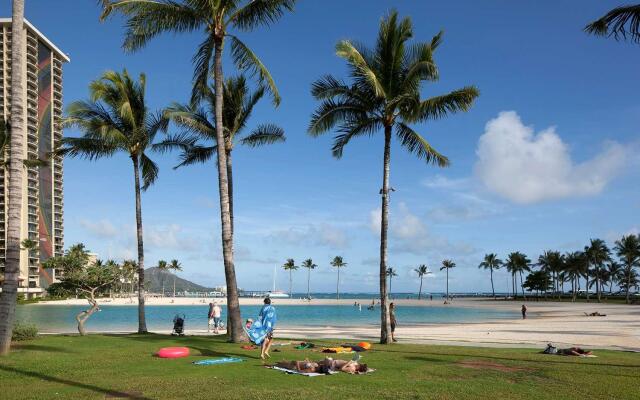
x=216, y=361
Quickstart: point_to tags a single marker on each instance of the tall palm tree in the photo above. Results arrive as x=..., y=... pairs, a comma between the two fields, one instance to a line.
x=628, y=250
x=597, y=254
x=116, y=119
x=338, y=263
x=9, y=295
x=422, y=270
x=491, y=262
x=517, y=263
x=614, y=23
x=553, y=263
x=384, y=96
x=147, y=19
x=197, y=141
x=163, y=267
x=575, y=263
x=309, y=265
x=391, y=273
x=290, y=266
x=447, y=265
x=175, y=266
x=614, y=270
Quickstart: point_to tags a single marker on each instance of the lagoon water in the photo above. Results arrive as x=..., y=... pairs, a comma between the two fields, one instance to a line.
x=61, y=318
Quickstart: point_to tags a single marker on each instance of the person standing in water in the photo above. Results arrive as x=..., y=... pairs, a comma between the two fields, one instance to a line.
x=392, y=317
x=524, y=311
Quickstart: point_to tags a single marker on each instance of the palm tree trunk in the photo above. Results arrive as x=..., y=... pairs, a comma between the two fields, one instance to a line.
x=174, y=286
x=309, y=284
x=447, y=284
x=598, y=283
x=492, y=289
x=338, y=285
x=235, y=332
x=230, y=186
x=142, y=322
x=522, y=287
x=513, y=285
x=385, y=323
x=420, y=292
x=586, y=286
x=628, y=284
x=390, y=292
x=9, y=295
x=290, y=283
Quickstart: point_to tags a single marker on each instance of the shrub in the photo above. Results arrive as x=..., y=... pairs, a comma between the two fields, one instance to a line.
x=24, y=331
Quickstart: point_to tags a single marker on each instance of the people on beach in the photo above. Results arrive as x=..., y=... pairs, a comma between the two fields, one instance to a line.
x=524, y=311
x=215, y=312
x=261, y=330
x=392, y=317
x=571, y=351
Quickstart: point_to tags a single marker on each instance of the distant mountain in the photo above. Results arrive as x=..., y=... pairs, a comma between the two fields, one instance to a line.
x=153, y=282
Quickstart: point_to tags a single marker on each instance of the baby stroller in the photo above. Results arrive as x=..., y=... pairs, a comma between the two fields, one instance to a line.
x=178, y=325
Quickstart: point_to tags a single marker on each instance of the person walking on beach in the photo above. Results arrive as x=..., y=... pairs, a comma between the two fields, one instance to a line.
x=524, y=311
x=215, y=312
x=392, y=316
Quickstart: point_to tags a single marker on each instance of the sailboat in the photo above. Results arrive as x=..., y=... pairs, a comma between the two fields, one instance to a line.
x=276, y=294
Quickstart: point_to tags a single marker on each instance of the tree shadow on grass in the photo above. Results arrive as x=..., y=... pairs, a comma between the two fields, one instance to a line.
x=93, y=388
x=39, y=347
x=202, y=344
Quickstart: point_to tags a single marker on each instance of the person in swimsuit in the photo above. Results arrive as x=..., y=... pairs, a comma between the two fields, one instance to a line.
x=392, y=316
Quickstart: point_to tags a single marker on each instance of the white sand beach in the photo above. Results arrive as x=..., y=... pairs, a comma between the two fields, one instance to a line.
x=562, y=323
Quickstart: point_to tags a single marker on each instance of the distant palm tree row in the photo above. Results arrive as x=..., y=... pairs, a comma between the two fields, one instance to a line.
x=598, y=265
x=290, y=266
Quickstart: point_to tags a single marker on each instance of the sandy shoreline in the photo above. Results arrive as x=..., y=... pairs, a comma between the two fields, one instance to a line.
x=563, y=324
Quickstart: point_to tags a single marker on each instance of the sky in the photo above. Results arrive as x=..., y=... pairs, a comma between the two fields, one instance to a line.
x=545, y=159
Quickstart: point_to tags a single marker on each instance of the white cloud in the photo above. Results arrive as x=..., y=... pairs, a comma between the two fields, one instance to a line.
x=408, y=234
x=527, y=167
x=316, y=234
x=442, y=182
x=102, y=228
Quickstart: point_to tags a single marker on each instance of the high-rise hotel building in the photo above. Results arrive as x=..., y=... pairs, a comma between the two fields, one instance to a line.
x=42, y=204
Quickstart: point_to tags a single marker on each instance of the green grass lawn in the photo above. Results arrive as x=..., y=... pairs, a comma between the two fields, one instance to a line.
x=102, y=366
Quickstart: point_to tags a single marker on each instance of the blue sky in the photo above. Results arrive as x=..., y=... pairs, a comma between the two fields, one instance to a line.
x=546, y=159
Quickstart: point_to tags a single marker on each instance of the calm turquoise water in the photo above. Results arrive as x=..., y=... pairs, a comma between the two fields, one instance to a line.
x=61, y=318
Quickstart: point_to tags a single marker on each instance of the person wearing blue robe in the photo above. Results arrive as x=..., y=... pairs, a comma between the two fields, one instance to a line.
x=261, y=330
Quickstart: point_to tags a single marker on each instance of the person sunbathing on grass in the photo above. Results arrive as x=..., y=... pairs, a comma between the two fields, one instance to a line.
x=325, y=366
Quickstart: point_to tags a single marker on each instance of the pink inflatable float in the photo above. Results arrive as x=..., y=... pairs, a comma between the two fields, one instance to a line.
x=173, y=352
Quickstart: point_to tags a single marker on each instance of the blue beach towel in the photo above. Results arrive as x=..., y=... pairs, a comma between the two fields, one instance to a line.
x=216, y=361
x=263, y=325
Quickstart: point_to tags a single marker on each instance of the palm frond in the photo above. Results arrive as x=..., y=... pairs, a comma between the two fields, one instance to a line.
x=328, y=87
x=331, y=113
x=202, y=68
x=245, y=59
x=615, y=22
x=149, y=171
x=439, y=106
x=182, y=141
x=418, y=146
x=364, y=126
x=349, y=52
x=146, y=19
x=191, y=119
x=260, y=12
x=196, y=154
x=263, y=135
x=83, y=147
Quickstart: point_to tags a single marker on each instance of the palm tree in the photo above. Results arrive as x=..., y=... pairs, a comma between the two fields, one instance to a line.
x=614, y=23
x=175, y=266
x=553, y=263
x=385, y=96
x=597, y=254
x=575, y=263
x=614, y=270
x=491, y=262
x=517, y=263
x=198, y=137
x=628, y=250
x=130, y=269
x=422, y=270
x=147, y=19
x=391, y=273
x=116, y=119
x=447, y=265
x=290, y=266
x=338, y=263
x=163, y=267
x=309, y=265
x=9, y=296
